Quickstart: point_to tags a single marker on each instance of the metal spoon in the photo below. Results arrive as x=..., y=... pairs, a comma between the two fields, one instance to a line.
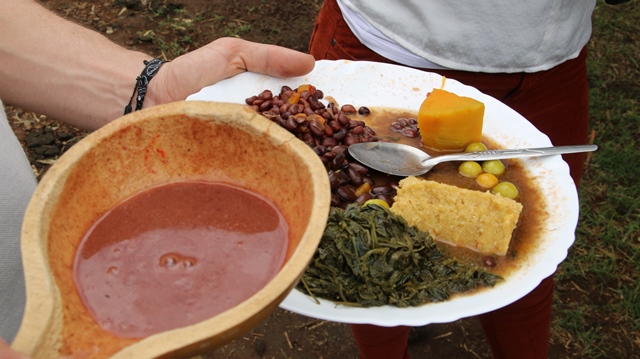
x=403, y=160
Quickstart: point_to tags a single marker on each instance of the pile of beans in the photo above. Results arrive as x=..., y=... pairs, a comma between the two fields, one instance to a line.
x=407, y=127
x=329, y=129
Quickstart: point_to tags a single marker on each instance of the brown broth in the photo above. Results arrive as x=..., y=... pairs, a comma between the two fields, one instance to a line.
x=177, y=254
x=526, y=235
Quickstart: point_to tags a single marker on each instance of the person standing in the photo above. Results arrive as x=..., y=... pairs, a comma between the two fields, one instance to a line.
x=529, y=55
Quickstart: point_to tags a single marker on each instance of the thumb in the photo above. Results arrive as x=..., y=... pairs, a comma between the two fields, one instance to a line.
x=224, y=58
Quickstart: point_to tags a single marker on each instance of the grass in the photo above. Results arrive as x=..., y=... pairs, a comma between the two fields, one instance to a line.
x=169, y=20
x=597, y=309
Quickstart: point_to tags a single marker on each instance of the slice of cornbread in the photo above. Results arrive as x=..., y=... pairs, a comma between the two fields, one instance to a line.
x=481, y=221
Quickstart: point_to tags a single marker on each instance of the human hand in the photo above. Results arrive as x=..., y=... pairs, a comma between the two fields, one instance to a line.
x=7, y=353
x=221, y=59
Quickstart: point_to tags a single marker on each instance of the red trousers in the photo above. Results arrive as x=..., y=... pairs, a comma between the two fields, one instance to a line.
x=556, y=102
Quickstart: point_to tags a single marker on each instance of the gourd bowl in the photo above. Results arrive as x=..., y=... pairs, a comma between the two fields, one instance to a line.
x=181, y=141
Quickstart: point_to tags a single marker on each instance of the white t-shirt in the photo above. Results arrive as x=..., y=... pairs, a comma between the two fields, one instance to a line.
x=471, y=35
x=17, y=184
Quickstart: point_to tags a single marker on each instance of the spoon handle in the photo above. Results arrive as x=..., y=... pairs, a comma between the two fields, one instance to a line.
x=517, y=153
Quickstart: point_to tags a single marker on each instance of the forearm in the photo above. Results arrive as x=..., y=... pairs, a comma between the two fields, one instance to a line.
x=52, y=66
x=60, y=69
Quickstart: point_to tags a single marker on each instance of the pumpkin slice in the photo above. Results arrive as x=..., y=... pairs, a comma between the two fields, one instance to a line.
x=449, y=122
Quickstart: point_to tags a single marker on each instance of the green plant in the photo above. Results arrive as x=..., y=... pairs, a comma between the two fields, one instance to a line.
x=597, y=309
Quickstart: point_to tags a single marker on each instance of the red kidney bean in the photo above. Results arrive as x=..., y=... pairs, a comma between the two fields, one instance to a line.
x=343, y=119
x=354, y=176
x=346, y=193
x=348, y=109
x=358, y=130
x=275, y=111
x=334, y=179
x=265, y=105
x=335, y=125
x=305, y=94
x=368, y=179
x=308, y=139
x=316, y=128
x=409, y=133
x=339, y=149
x=335, y=200
x=383, y=189
x=325, y=162
x=331, y=107
x=266, y=95
x=291, y=124
x=489, y=262
x=285, y=96
x=341, y=134
x=330, y=155
x=361, y=169
x=338, y=162
x=363, y=198
x=364, y=111
x=328, y=131
x=329, y=142
x=249, y=100
x=354, y=123
x=385, y=197
x=285, y=107
x=294, y=109
x=344, y=178
x=319, y=150
x=315, y=104
x=350, y=140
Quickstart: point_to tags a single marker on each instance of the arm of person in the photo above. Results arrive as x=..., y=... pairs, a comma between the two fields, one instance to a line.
x=58, y=68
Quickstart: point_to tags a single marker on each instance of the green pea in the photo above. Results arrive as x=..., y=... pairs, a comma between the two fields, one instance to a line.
x=470, y=169
x=495, y=167
x=506, y=189
x=475, y=147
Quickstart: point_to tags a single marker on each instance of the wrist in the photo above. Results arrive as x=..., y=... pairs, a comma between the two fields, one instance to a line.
x=137, y=100
x=163, y=88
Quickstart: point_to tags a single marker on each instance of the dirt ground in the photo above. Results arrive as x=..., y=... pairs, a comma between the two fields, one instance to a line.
x=167, y=29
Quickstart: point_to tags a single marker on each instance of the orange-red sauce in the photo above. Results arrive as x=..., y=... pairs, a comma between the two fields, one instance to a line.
x=177, y=254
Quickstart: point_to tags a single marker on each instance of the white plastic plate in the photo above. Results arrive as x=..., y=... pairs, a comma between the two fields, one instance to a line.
x=382, y=85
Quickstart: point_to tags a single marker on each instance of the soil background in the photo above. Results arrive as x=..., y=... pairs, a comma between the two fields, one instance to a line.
x=166, y=29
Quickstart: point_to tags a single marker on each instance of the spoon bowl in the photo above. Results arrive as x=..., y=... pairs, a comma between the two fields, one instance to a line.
x=403, y=160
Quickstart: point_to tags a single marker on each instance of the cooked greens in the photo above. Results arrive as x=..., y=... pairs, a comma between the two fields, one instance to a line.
x=368, y=256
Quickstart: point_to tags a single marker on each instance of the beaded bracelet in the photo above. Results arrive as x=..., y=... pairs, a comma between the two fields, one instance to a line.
x=150, y=70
